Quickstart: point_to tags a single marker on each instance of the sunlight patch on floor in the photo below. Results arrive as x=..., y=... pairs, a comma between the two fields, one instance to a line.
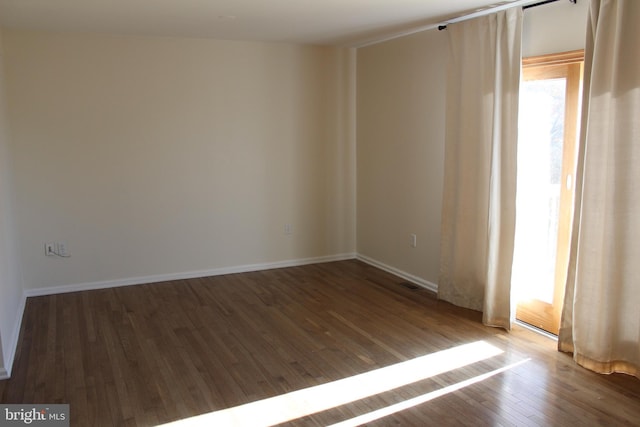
x=300, y=403
x=410, y=403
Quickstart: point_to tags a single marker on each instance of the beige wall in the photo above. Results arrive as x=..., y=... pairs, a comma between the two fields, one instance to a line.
x=10, y=288
x=400, y=107
x=553, y=28
x=159, y=156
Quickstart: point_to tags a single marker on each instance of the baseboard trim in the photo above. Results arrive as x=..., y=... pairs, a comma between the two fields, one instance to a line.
x=407, y=276
x=5, y=373
x=184, y=275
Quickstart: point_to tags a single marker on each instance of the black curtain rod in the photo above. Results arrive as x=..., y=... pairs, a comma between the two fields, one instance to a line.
x=444, y=27
x=543, y=3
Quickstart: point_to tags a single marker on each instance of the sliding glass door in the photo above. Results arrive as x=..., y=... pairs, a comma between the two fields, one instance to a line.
x=549, y=100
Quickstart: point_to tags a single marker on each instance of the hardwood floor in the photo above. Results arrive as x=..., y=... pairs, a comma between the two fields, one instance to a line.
x=151, y=354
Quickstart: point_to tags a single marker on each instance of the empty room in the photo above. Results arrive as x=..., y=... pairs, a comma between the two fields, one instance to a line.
x=249, y=213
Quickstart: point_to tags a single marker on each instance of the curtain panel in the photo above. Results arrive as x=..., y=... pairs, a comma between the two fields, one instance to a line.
x=478, y=214
x=601, y=313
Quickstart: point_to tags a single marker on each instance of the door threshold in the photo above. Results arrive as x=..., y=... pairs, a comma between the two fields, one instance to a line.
x=536, y=330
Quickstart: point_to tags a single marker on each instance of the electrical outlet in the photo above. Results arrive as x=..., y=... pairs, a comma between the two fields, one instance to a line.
x=50, y=249
x=413, y=240
x=288, y=229
x=58, y=249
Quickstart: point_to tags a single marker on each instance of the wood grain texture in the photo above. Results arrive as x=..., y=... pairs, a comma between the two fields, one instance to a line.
x=560, y=58
x=150, y=354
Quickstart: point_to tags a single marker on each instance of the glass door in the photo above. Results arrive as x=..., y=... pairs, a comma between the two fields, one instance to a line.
x=548, y=127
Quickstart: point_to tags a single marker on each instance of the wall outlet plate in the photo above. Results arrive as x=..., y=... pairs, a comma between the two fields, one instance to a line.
x=58, y=249
x=50, y=249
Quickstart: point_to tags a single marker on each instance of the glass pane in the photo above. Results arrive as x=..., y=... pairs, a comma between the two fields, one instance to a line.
x=540, y=140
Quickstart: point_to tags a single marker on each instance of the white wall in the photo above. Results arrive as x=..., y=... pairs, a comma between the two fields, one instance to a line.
x=160, y=156
x=400, y=123
x=10, y=288
x=400, y=132
x=553, y=28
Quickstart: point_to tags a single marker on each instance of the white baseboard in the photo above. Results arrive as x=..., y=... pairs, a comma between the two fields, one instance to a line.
x=409, y=277
x=5, y=372
x=184, y=275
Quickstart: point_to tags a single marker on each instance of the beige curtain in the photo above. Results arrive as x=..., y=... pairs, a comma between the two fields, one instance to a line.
x=478, y=214
x=601, y=314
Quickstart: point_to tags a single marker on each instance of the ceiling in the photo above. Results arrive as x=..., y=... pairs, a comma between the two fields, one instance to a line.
x=334, y=22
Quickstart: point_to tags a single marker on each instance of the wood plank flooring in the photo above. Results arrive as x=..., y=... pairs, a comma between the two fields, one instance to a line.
x=151, y=354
